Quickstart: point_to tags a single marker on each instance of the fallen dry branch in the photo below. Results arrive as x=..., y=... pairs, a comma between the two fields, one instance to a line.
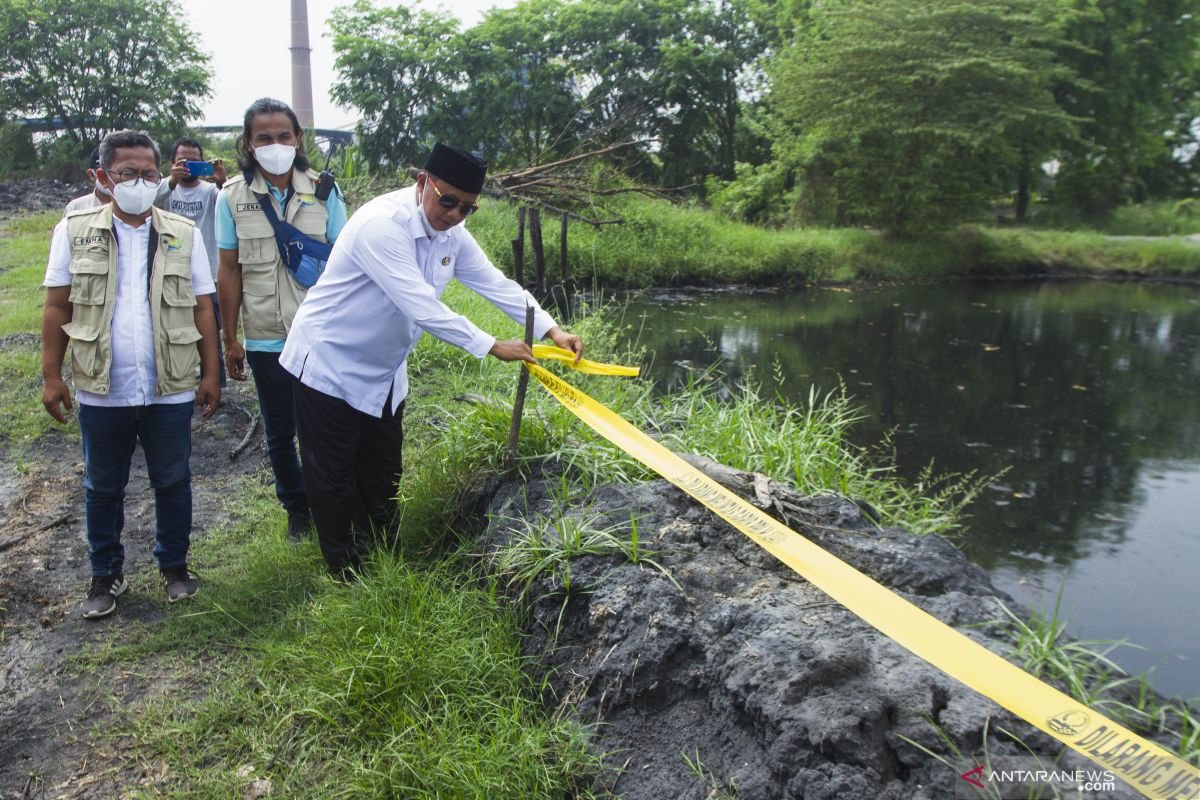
x=569, y=186
x=254, y=418
x=16, y=540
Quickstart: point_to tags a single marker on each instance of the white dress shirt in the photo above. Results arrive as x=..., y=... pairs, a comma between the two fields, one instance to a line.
x=380, y=291
x=133, y=375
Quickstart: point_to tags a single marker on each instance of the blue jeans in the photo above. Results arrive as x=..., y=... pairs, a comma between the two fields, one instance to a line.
x=109, y=434
x=274, y=386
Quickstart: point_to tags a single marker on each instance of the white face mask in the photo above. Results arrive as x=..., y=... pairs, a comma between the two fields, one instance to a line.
x=100, y=187
x=275, y=158
x=136, y=196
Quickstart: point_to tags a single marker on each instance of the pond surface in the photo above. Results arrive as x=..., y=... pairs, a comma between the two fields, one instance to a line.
x=1088, y=391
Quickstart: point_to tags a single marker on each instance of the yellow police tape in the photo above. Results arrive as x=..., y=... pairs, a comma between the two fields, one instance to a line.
x=548, y=352
x=1146, y=766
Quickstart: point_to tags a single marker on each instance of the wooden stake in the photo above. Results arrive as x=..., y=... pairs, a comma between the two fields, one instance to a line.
x=518, y=247
x=564, y=270
x=539, y=255
x=514, y=429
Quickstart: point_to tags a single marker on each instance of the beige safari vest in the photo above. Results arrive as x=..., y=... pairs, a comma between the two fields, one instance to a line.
x=270, y=296
x=94, y=297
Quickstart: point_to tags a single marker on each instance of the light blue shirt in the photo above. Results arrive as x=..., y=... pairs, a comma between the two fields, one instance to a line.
x=381, y=291
x=227, y=240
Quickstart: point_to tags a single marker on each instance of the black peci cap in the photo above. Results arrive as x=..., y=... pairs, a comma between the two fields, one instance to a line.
x=457, y=167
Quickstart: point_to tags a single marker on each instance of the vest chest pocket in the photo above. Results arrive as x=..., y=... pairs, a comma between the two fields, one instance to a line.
x=258, y=251
x=311, y=220
x=89, y=279
x=177, y=281
x=256, y=239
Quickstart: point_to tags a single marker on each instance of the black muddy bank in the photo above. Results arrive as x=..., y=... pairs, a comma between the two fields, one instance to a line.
x=38, y=194
x=750, y=670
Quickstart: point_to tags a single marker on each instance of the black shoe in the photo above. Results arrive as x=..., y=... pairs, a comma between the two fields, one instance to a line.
x=299, y=524
x=179, y=583
x=102, y=596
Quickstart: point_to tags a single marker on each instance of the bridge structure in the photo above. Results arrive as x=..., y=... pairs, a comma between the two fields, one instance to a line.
x=336, y=138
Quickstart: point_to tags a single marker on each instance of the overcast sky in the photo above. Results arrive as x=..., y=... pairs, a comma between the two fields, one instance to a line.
x=243, y=35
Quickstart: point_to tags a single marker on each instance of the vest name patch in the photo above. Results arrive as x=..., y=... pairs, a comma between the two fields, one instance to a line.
x=84, y=241
x=242, y=207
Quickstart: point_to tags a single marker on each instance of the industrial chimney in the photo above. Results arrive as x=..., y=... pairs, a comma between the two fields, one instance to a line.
x=302, y=102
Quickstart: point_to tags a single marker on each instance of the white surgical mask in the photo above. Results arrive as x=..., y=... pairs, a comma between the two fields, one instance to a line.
x=136, y=196
x=100, y=187
x=275, y=158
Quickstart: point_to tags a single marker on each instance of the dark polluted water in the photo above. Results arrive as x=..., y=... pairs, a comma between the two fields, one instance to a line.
x=1088, y=391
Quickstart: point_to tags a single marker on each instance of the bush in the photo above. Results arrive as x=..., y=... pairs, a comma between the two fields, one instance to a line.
x=758, y=194
x=18, y=156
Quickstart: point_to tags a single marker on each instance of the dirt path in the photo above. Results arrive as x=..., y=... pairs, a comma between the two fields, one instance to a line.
x=55, y=715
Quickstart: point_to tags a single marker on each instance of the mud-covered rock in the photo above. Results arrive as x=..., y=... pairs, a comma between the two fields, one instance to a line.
x=38, y=194
x=736, y=677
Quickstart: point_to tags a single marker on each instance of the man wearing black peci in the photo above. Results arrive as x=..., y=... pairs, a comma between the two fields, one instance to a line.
x=352, y=335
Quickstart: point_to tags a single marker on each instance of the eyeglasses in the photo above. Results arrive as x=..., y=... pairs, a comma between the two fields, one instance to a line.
x=449, y=201
x=151, y=176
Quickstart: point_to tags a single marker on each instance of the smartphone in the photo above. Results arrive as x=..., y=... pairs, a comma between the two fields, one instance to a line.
x=199, y=168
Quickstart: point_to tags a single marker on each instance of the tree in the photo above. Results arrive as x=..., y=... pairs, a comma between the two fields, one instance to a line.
x=17, y=152
x=914, y=107
x=519, y=102
x=704, y=76
x=398, y=67
x=545, y=78
x=1140, y=138
x=100, y=65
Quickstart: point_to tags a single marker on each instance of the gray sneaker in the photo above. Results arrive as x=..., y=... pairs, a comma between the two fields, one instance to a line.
x=180, y=583
x=102, y=596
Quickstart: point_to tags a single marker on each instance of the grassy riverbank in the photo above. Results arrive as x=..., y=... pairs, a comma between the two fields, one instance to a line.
x=661, y=244
x=409, y=682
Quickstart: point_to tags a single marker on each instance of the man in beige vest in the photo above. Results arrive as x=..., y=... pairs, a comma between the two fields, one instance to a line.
x=254, y=285
x=127, y=287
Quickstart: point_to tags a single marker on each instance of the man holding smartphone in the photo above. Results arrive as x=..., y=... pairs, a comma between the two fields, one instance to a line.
x=196, y=199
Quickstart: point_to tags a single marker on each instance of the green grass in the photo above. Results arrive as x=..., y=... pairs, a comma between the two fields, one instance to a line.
x=24, y=250
x=1155, y=218
x=1082, y=666
x=1016, y=250
x=24, y=419
x=409, y=682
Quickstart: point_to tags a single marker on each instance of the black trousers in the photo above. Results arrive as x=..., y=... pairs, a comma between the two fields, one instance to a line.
x=352, y=466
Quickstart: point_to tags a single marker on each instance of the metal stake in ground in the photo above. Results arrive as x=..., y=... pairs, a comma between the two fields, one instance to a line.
x=514, y=430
